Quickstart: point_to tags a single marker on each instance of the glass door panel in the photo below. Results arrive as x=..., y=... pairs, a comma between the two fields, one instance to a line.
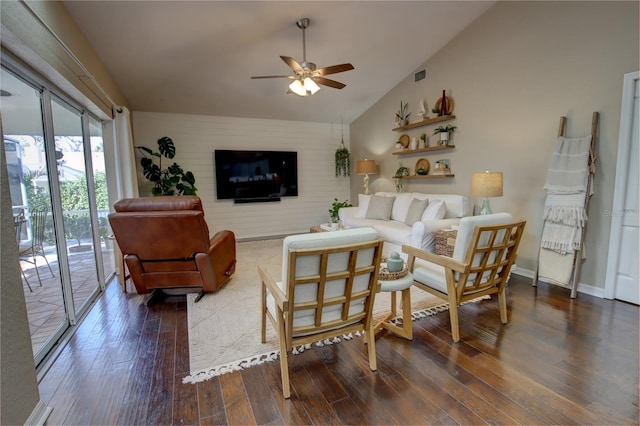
x=74, y=193
x=102, y=198
x=31, y=201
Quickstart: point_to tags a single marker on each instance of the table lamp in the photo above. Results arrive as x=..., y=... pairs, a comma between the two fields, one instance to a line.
x=366, y=167
x=486, y=184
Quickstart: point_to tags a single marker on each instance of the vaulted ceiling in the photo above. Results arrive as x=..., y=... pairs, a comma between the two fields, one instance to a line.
x=197, y=57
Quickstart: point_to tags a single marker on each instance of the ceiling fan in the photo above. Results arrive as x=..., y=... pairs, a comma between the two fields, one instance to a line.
x=307, y=76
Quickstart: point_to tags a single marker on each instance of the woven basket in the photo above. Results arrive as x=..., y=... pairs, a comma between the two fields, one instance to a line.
x=385, y=275
x=445, y=242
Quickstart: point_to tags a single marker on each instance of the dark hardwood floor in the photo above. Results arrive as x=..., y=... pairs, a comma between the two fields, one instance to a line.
x=557, y=361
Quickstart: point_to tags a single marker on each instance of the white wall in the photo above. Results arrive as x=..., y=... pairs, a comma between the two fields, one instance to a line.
x=512, y=74
x=18, y=385
x=196, y=137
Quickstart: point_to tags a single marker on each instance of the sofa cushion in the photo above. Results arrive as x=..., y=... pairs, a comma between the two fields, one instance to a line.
x=393, y=231
x=401, y=206
x=416, y=209
x=363, y=205
x=434, y=211
x=380, y=207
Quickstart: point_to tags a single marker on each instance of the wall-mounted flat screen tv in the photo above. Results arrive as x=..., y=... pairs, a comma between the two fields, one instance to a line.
x=256, y=175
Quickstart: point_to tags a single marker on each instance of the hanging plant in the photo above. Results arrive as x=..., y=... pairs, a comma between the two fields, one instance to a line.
x=343, y=161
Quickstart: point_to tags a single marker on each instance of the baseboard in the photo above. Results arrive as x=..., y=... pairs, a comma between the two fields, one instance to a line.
x=582, y=288
x=39, y=415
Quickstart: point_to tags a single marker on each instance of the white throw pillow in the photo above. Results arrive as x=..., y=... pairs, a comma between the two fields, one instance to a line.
x=401, y=206
x=416, y=209
x=380, y=207
x=363, y=205
x=435, y=211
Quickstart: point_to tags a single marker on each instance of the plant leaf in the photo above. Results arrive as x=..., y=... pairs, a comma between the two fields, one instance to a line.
x=189, y=178
x=166, y=147
x=145, y=149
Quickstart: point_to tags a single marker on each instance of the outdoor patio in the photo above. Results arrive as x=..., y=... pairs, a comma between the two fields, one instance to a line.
x=45, y=305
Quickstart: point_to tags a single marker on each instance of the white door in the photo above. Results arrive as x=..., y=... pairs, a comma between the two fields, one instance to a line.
x=622, y=267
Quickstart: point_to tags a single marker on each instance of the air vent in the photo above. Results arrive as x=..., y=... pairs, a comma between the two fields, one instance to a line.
x=421, y=75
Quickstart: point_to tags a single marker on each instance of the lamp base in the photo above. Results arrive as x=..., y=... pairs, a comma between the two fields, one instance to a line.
x=366, y=184
x=486, y=208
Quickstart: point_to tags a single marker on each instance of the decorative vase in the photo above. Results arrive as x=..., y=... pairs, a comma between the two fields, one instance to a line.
x=414, y=143
x=395, y=262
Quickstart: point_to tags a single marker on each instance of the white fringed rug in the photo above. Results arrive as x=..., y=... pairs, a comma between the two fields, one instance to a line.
x=224, y=327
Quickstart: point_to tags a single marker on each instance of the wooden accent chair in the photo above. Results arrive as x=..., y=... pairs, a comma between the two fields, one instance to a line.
x=328, y=285
x=484, y=252
x=165, y=242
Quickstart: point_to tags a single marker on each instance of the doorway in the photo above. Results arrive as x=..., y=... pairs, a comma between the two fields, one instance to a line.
x=621, y=280
x=59, y=197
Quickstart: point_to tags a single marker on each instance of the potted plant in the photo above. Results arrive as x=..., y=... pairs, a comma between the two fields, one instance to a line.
x=402, y=116
x=444, y=132
x=423, y=138
x=170, y=181
x=402, y=172
x=335, y=208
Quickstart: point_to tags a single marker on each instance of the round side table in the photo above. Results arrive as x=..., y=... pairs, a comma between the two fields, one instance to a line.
x=402, y=285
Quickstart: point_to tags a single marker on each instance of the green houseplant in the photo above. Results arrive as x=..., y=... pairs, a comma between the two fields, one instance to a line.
x=444, y=132
x=402, y=116
x=170, y=181
x=335, y=208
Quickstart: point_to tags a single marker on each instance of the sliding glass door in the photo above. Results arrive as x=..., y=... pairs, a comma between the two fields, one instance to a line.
x=59, y=197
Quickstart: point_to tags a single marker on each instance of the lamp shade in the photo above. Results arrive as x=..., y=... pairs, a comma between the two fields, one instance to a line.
x=366, y=167
x=486, y=184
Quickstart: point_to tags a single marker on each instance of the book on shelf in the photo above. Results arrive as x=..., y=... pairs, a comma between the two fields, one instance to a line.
x=445, y=171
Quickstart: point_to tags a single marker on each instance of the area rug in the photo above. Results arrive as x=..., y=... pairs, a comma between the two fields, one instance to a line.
x=224, y=327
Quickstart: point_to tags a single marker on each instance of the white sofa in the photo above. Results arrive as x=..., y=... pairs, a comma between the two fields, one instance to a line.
x=442, y=211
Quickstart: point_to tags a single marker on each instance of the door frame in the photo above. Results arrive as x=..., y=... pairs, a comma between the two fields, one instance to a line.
x=620, y=186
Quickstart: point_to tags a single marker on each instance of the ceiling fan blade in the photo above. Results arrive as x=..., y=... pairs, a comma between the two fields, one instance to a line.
x=334, y=69
x=330, y=83
x=292, y=64
x=274, y=76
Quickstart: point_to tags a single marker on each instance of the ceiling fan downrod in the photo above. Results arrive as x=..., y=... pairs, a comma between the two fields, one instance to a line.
x=303, y=24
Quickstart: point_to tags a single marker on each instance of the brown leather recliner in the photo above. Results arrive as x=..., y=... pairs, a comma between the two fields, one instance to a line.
x=165, y=243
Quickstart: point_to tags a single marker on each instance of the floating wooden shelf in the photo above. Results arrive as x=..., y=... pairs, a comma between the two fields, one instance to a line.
x=424, y=122
x=427, y=176
x=416, y=151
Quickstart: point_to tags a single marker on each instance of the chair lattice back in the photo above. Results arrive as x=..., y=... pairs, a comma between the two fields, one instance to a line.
x=38, y=223
x=490, y=255
x=18, y=220
x=331, y=288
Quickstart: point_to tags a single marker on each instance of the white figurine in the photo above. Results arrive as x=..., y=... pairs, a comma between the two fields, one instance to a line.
x=421, y=110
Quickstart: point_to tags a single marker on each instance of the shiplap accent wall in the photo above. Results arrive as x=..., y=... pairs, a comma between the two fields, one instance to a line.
x=196, y=137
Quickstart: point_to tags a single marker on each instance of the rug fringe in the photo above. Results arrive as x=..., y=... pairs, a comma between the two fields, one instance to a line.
x=231, y=367
x=273, y=355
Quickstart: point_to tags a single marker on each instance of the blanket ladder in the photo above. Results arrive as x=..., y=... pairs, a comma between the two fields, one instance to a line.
x=577, y=255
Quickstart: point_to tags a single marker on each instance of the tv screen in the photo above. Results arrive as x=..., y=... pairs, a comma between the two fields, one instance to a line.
x=256, y=175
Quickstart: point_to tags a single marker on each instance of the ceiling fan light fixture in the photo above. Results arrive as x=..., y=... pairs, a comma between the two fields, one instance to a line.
x=311, y=86
x=306, y=87
x=297, y=88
